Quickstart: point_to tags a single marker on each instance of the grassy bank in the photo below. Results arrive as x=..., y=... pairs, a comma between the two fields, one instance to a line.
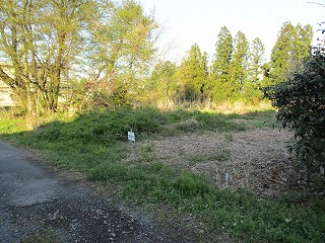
x=95, y=144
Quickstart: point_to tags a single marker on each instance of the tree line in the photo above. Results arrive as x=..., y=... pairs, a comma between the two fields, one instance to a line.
x=91, y=52
x=238, y=70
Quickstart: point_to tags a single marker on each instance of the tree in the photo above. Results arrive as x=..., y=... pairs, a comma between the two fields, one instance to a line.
x=220, y=66
x=193, y=73
x=282, y=53
x=49, y=42
x=163, y=81
x=238, y=66
x=304, y=39
x=292, y=46
x=254, y=82
x=123, y=47
x=40, y=40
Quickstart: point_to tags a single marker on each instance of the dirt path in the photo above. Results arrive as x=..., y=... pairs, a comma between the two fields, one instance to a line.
x=34, y=200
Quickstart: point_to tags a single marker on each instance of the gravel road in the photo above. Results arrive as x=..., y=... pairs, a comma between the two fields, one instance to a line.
x=34, y=199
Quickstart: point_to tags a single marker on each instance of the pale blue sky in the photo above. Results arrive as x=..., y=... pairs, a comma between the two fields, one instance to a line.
x=185, y=22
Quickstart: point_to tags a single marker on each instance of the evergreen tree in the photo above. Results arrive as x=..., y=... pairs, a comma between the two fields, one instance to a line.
x=253, y=83
x=238, y=66
x=304, y=38
x=292, y=46
x=192, y=74
x=220, y=67
x=282, y=52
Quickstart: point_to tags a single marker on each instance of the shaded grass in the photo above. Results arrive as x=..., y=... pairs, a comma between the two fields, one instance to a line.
x=94, y=143
x=43, y=237
x=290, y=218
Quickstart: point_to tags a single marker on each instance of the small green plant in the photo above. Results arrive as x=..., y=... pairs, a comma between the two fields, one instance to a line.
x=229, y=138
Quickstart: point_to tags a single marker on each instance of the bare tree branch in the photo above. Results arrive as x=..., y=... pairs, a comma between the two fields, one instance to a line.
x=317, y=4
x=7, y=79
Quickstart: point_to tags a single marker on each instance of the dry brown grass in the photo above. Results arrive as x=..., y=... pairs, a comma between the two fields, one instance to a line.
x=258, y=158
x=238, y=107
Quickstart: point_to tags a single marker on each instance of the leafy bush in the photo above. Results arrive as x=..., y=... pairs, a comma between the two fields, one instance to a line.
x=301, y=104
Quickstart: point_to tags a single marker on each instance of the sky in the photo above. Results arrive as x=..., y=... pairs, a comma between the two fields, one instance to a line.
x=185, y=22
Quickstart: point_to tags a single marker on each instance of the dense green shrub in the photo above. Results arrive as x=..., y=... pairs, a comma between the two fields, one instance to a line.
x=301, y=104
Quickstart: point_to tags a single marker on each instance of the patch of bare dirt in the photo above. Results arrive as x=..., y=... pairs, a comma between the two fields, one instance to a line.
x=174, y=148
x=258, y=159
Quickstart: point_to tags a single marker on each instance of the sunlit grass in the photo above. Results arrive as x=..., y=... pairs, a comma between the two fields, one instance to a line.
x=95, y=144
x=225, y=107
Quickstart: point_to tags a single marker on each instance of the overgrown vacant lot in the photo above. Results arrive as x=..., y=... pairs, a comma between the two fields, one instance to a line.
x=208, y=172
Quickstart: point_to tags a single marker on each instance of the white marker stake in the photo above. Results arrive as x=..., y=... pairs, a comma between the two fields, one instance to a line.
x=227, y=179
x=131, y=136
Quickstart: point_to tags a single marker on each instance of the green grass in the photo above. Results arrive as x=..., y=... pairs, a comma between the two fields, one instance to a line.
x=79, y=143
x=219, y=155
x=43, y=237
x=291, y=218
x=11, y=126
x=258, y=119
x=94, y=143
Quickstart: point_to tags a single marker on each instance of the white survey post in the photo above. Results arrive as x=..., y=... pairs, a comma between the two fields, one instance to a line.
x=131, y=136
